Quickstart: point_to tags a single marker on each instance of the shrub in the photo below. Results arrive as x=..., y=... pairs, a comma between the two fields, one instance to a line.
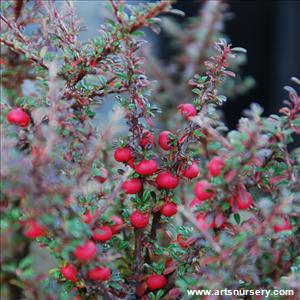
x=117, y=211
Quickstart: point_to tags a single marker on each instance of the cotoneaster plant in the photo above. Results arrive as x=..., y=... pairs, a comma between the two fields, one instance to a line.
x=149, y=213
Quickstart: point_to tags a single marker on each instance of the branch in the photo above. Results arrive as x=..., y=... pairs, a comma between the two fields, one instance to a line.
x=29, y=55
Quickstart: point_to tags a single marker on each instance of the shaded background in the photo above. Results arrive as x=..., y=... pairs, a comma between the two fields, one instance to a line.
x=270, y=31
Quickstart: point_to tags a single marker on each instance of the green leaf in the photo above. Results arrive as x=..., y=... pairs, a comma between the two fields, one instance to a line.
x=146, y=195
x=115, y=285
x=296, y=122
x=225, y=205
x=159, y=294
x=237, y=218
x=138, y=33
x=25, y=262
x=9, y=268
x=198, y=133
x=28, y=274
x=196, y=91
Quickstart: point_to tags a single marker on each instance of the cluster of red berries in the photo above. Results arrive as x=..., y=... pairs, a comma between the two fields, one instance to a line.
x=87, y=252
x=146, y=167
x=139, y=219
x=95, y=274
x=103, y=233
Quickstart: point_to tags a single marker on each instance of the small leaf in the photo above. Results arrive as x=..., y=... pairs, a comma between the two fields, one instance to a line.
x=239, y=49
x=237, y=218
x=25, y=262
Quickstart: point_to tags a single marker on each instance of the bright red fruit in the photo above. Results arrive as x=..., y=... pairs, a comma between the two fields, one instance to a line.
x=203, y=190
x=86, y=252
x=101, y=274
x=184, y=243
x=138, y=219
x=34, y=230
x=19, y=117
x=103, y=177
x=243, y=199
x=87, y=217
x=118, y=224
x=147, y=139
x=131, y=163
x=156, y=282
x=102, y=233
x=123, y=154
x=146, y=167
x=168, y=262
x=169, y=209
x=69, y=272
x=167, y=180
x=215, y=166
x=93, y=63
x=282, y=224
x=187, y=110
x=191, y=171
x=164, y=140
x=131, y=186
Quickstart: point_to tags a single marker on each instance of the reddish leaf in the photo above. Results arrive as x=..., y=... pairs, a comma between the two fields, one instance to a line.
x=174, y=293
x=140, y=289
x=169, y=270
x=230, y=175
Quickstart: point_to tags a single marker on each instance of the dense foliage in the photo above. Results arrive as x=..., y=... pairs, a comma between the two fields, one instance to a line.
x=138, y=212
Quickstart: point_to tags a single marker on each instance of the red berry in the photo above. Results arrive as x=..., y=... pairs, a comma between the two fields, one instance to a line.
x=19, y=117
x=164, y=140
x=184, y=243
x=132, y=186
x=102, y=233
x=215, y=166
x=168, y=262
x=187, y=110
x=118, y=224
x=282, y=224
x=86, y=252
x=131, y=163
x=191, y=171
x=147, y=139
x=204, y=222
x=169, y=209
x=156, y=282
x=101, y=274
x=243, y=199
x=103, y=177
x=34, y=230
x=69, y=272
x=167, y=180
x=93, y=63
x=146, y=167
x=139, y=219
x=202, y=190
x=123, y=154
x=87, y=217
